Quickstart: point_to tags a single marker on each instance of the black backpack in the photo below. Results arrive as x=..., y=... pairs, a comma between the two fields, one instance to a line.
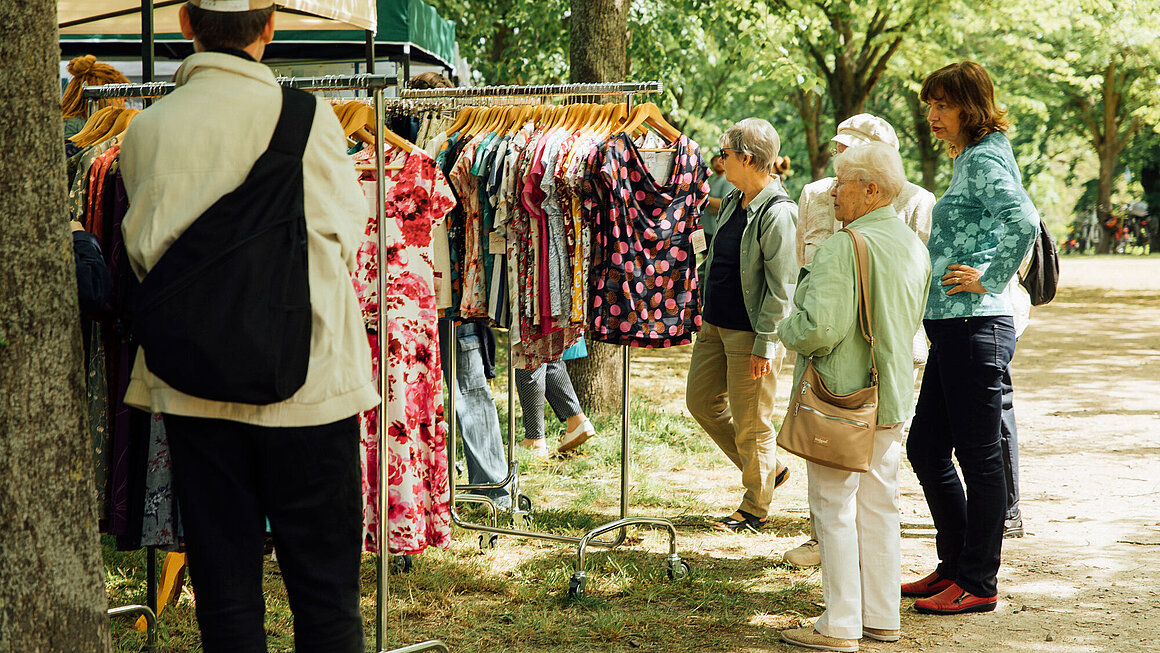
x=225, y=313
x=1043, y=274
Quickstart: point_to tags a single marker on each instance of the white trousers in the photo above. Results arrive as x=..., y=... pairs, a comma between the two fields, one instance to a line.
x=856, y=519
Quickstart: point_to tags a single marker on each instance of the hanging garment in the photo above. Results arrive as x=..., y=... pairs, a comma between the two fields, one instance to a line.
x=643, y=265
x=417, y=200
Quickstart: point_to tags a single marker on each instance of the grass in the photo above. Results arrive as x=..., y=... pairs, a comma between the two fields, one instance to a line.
x=513, y=597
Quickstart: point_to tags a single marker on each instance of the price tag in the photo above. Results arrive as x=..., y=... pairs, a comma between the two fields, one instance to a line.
x=699, y=244
x=496, y=243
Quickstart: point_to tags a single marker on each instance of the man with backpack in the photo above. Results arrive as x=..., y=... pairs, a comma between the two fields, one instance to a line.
x=244, y=222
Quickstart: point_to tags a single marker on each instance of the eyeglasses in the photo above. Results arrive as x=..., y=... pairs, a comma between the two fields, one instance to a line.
x=724, y=152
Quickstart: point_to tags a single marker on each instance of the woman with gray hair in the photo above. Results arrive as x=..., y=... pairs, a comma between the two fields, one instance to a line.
x=745, y=289
x=817, y=223
x=856, y=514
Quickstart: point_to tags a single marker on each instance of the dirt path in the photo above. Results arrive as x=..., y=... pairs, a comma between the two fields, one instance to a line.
x=1086, y=577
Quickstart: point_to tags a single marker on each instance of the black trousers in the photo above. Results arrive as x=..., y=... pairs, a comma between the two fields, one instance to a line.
x=1010, y=437
x=230, y=477
x=959, y=413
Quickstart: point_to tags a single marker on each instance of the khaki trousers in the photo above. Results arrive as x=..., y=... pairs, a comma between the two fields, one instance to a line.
x=735, y=410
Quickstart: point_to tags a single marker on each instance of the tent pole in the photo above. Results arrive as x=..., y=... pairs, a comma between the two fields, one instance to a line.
x=146, y=40
x=370, y=52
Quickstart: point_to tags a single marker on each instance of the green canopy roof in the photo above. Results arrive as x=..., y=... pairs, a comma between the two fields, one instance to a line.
x=401, y=23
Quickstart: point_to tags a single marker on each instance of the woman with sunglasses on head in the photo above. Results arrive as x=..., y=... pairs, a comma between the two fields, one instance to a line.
x=745, y=292
x=982, y=228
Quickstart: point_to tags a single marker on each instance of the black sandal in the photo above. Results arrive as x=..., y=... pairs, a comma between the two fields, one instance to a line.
x=748, y=524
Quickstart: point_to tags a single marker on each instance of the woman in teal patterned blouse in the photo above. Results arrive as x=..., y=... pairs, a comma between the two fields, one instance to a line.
x=981, y=229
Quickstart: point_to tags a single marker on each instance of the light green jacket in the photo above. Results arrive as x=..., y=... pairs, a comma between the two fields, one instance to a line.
x=768, y=263
x=825, y=322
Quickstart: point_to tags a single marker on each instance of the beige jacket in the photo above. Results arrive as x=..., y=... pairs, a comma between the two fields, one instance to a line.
x=188, y=150
x=817, y=222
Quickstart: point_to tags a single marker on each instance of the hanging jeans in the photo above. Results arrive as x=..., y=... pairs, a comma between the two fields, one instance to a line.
x=959, y=414
x=475, y=410
x=230, y=477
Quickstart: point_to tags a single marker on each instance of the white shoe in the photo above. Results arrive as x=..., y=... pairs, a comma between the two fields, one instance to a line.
x=576, y=437
x=537, y=446
x=806, y=555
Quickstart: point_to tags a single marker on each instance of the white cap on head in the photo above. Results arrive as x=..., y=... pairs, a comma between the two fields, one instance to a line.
x=864, y=128
x=232, y=6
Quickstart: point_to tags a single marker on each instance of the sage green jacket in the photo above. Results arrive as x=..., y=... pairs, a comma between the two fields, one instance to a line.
x=824, y=323
x=768, y=261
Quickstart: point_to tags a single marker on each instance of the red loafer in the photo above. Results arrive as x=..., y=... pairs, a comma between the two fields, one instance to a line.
x=956, y=600
x=929, y=586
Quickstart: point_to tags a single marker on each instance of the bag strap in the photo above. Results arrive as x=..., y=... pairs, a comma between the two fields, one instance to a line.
x=294, y=123
x=862, y=263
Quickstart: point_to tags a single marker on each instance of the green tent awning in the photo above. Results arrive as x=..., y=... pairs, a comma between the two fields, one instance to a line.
x=405, y=27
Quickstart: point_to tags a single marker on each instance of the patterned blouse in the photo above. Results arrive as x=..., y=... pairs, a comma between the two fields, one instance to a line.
x=985, y=220
x=643, y=267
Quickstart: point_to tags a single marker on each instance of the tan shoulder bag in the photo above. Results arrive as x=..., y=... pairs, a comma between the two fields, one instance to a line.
x=830, y=429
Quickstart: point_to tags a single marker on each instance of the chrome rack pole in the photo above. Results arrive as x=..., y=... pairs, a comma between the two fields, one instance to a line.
x=384, y=535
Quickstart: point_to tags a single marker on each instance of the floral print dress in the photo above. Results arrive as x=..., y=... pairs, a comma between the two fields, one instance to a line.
x=417, y=200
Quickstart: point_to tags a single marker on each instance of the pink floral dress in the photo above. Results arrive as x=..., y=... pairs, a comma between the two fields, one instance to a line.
x=418, y=199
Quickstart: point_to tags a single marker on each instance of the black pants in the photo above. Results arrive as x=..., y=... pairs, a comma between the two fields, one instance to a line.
x=230, y=477
x=959, y=412
x=1010, y=437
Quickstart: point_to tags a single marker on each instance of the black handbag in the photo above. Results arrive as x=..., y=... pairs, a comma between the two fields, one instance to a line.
x=1042, y=276
x=225, y=313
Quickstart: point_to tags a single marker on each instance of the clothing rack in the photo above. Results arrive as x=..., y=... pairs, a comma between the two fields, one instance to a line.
x=376, y=85
x=363, y=81
x=520, y=504
x=562, y=90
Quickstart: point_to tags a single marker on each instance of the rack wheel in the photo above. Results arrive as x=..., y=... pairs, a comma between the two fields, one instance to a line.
x=576, y=586
x=679, y=571
x=487, y=541
x=402, y=564
x=524, y=502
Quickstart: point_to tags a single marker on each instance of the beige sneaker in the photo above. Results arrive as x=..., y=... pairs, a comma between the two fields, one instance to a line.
x=577, y=437
x=806, y=555
x=538, y=447
x=882, y=635
x=807, y=637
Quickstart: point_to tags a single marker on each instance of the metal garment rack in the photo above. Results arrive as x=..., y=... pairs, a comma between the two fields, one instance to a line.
x=376, y=85
x=521, y=505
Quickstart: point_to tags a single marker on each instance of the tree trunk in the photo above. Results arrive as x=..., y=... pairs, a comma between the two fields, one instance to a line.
x=809, y=107
x=929, y=153
x=1104, y=199
x=1150, y=180
x=52, y=594
x=598, y=53
x=599, y=48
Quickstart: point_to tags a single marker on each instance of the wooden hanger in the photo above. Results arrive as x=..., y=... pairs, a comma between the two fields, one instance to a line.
x=121, y=124
x=91, y=123
x=650, y=114
x=461, y=120
x=100, y=124
x=115, y=126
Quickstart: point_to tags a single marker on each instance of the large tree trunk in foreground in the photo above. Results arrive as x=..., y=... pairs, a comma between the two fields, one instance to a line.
x=52, y=595
x=599, y=53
